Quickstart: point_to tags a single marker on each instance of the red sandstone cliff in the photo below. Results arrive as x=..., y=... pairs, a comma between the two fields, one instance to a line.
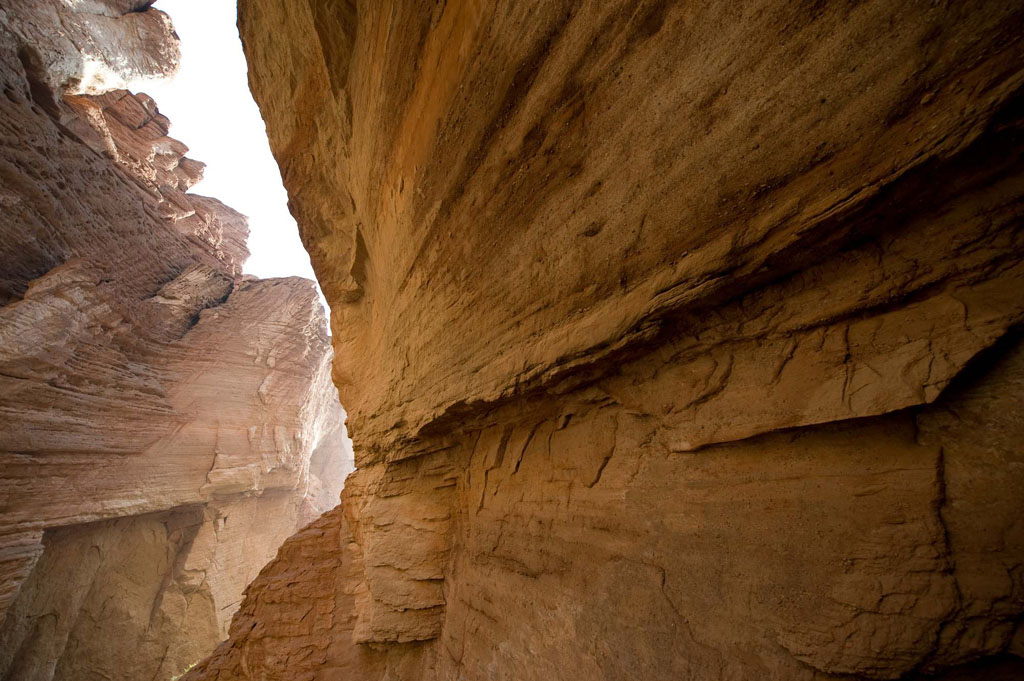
x=165, y=422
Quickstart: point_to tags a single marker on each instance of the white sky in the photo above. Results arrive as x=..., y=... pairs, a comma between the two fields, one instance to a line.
x=212, y=111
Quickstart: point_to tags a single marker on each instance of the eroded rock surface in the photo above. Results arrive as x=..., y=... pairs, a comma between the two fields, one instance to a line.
x=165, y=421
x=679, y=341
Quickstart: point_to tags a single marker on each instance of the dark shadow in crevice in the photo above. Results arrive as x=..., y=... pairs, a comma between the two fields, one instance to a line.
x=35, y=74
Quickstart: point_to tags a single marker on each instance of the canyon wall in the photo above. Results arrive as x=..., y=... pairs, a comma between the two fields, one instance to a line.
x=679, y=341
x=165, y=421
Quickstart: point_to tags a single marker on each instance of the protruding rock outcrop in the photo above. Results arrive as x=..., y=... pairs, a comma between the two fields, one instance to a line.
x=678, y=340
x=165, y=421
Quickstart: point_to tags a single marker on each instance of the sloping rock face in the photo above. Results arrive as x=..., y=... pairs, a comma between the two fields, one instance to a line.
x=678, y=341
x=165, y=421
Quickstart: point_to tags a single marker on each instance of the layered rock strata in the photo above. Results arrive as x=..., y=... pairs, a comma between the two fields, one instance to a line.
x=165, y=421
x=678, y=341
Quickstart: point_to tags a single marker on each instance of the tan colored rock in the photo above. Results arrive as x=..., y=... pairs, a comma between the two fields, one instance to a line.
x=678, y=341
x=609, y=171
x=165, y=422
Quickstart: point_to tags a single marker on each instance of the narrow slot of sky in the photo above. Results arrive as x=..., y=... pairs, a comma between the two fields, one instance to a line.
x=212, y=111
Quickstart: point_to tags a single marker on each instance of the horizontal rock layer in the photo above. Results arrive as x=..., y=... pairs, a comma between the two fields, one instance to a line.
x=678, y=341
x=581, y=546
x=165, y=421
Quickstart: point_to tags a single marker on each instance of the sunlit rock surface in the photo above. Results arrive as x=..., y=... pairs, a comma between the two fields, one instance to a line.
x=679, y=341
x=165, y=421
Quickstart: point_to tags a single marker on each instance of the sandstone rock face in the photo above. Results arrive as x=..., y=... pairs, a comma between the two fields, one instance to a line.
x=90, y=46
x=165, y=421
x=678, y=341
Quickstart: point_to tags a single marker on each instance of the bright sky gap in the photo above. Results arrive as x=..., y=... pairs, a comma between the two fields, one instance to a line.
x=212, y=111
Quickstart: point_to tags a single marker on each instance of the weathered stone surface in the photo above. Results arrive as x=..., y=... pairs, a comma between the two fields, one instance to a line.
x=641, y=162
x=585, y=548
x=165, y=421
x=679, y=341
x=90, y=46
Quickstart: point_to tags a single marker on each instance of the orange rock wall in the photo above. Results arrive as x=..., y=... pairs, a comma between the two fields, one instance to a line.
x=679, y=341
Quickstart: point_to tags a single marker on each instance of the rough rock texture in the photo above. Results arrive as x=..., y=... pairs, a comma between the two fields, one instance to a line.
x=90, y=46
x=165, y=421
x=679, y=341
x=500, y=196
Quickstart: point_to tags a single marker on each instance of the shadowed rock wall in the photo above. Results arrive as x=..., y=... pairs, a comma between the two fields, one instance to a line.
x=678, y=341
